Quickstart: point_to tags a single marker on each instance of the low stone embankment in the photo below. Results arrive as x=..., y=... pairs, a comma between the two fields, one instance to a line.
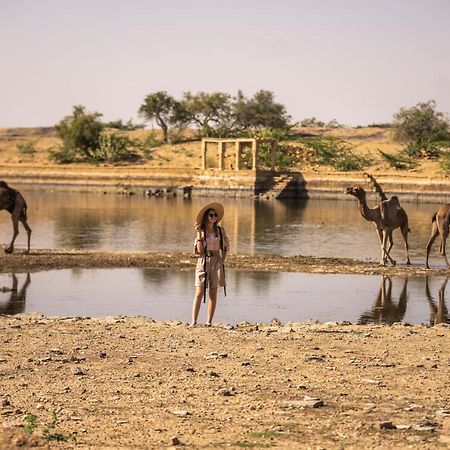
x=213, y=182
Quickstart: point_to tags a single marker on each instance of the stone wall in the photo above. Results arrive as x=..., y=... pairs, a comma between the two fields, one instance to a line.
x=213, y=182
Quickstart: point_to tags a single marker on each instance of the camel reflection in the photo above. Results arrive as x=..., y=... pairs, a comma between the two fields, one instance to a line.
x=439, y=312
x=384, y=309
x=17, y=297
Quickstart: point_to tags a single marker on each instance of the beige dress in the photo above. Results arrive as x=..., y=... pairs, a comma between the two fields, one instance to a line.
x=212, y=261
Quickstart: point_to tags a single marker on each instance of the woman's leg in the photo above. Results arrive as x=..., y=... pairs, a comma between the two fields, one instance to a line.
x=196, y=305
x=211, y=304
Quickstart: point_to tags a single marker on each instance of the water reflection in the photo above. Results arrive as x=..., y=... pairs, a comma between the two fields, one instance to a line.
x=385, y=309
x=288, y=227
x=439, y=311
x=17, y=297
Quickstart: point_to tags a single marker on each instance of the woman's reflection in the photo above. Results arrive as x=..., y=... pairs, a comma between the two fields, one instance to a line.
x=17, y=297
x=439, y=313
x=384, y=310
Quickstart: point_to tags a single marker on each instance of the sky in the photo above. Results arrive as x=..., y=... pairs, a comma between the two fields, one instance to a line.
x=356, y=61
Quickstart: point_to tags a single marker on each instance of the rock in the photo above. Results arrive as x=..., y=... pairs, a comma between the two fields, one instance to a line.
x=426, y=424
x=307, y=402
x=181, y=413
x=387, y=426
x=78, y=371
x=175, y=441
x=225, y=392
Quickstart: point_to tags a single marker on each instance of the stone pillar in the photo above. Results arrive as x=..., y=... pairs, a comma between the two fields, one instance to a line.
x=203, y=154
x=254, y=153
x=221, y=150
x=273, y=147
x=238, y=155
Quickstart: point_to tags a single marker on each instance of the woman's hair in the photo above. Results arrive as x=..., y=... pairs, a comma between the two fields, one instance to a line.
x=205, y=220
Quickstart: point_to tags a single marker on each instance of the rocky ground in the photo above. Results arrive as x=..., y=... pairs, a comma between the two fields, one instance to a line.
x=48, y=259
x=136, y=383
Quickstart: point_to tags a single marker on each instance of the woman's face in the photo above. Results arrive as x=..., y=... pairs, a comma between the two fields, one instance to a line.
x=212, y=216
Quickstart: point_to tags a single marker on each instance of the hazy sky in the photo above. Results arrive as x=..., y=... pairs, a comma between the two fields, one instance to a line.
x=357, y=61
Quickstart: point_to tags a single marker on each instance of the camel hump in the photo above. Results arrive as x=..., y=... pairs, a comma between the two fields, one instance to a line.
x=390, y=208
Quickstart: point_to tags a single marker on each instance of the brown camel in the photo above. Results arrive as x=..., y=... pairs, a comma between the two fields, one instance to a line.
x=15, y=204
x=387, y=216
x=440, y=224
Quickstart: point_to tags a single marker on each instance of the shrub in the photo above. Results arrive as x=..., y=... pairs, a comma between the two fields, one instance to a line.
x=114, y=148
x=26, y=148
x=332, y=152
x=398, y=162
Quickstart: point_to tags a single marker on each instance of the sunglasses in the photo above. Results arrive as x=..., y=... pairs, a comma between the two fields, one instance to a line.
x=212, y=214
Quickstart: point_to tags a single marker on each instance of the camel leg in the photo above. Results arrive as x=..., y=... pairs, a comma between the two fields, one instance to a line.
x=383, y=249
x=28, y=230
x=404, y=231
x=391, y=243
x=15, y=221
x=434, y=235
x=442, y=225
x=443, y=242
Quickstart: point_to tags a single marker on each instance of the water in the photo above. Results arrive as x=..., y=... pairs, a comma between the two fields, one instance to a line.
x=252, y=296
x=136, y=223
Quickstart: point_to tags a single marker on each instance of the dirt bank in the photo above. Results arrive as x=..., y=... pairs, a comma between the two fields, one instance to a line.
x=135, y=383
x=39, y=260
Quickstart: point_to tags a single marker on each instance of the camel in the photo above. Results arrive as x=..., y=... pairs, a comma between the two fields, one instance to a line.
x=15, y=204
x=17, y=297
x=439, y=313
x=387, y=216
x=384, y=309
x=440, y=225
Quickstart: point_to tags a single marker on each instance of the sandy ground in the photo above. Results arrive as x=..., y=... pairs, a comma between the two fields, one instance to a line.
x=134, y=383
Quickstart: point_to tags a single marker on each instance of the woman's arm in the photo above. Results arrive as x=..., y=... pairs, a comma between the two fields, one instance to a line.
x=199, y=243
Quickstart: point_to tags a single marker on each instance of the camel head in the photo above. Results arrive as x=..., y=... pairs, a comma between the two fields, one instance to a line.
x=356, y=191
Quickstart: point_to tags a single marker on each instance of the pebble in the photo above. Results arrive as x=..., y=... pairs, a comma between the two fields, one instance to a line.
x=387, y=426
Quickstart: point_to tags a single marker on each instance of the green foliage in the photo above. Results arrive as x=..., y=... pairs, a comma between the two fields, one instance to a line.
x=80, y=132
x=421, y=125
x=164, y=109
x=206, y=110
x=49, y=434
x=114, y=147
x=216, y=114
x=332, y=152
x=312, y=122
x=429, y=150
x=128, y=126
x=63, y=155
x=399, y=162
x=283, y=156
x=26, y=148
x=259, y=111
x=444, y=160
x=29, y=423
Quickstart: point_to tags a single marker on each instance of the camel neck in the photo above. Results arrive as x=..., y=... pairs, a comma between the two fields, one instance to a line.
x=366, y=212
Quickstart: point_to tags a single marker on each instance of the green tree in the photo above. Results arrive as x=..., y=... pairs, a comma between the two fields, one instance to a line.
x=421, y=125
x=260, y=111
x=164, y=109
x=80, y=131
x=207, y=111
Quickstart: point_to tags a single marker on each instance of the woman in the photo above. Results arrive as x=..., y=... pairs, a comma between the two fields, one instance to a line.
x=211, y=245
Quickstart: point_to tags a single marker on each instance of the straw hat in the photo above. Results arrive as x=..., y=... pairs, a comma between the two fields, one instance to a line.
x=217, y=207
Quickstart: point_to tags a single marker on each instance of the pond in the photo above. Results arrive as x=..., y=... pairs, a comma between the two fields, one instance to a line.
x=251, y=296
x=138, y=223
